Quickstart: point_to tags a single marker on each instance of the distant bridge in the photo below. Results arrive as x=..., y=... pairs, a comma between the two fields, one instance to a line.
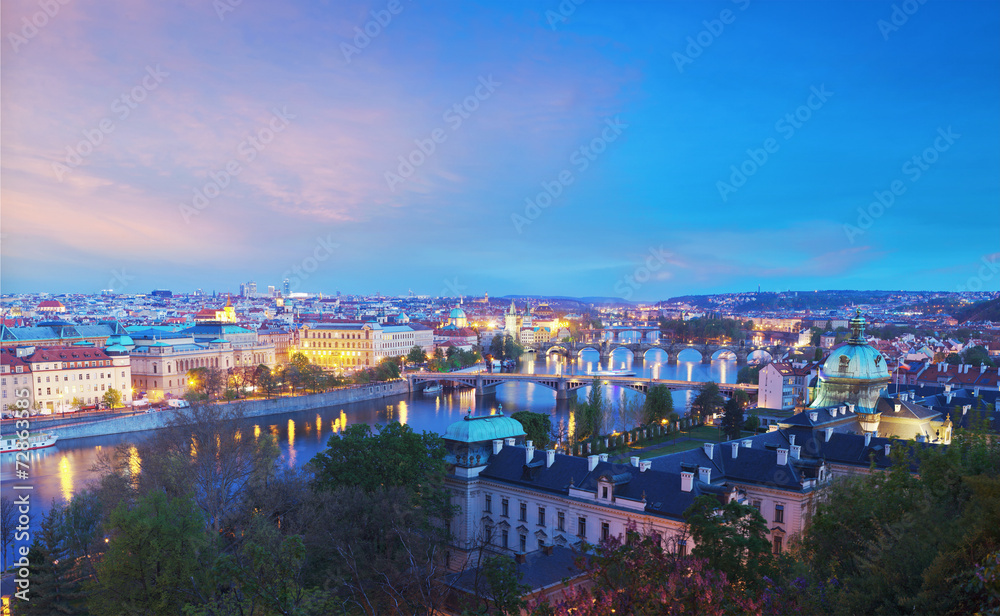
x=563, y=385
x=672, y=349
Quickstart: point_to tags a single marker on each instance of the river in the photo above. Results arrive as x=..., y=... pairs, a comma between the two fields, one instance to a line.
x=59, y=472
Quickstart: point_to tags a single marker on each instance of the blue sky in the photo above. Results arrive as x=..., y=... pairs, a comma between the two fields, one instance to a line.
x=626, y=121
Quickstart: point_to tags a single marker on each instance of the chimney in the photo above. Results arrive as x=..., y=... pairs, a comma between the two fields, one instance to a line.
x=868, y=438
x=592, y=462
x=686, y=479
x=747, y=443
x=887, y=447
x=512, y=441
x=529, y=453
x=947, y=397
x=896, y=406
x=704, y=474
x=796, y=450
x=736, y=450
x=782, y=456
x=497, y=445
x=709, y=449
x=982, y=368
x=975, y=391
x=813, y=416
x=634, y=460
x=843, y=410
x=603, y=456
x=520, y=558
x=947, y=387
x=550, y=457
x=829, y=434
x=965, y=408
x=547, y=550
x=644, y=465
x=850, y=408
x=940, y=367
x=791, y=439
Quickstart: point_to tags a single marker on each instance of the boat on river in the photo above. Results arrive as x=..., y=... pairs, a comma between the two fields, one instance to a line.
x=613, y=373
x=37, y=440
x=433, y=389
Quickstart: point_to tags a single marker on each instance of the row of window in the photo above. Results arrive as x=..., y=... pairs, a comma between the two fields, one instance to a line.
x=72, y=364
x=70, y=377
x=65, y=390
x=779, y=511
x=581, y=523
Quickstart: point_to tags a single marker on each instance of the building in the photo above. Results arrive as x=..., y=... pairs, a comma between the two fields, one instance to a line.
x=356, y=344
x=785, y=385
x=518, y=500
x=58, y=333
x=15, y=379
x=282, y=340
x=61, y=374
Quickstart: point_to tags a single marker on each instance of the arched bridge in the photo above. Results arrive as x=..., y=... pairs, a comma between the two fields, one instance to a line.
x=707, y=351
x=563, y=385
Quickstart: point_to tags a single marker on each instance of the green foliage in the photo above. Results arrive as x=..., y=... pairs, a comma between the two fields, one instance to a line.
x=416, y=355
x=590, y=414
x=977, y=355
x=503, y=586
x=752, y=423
x=732, y=538
x=749, y=374
x=157, y=558
x=77, y=402
x=953, y=358
x=112, y=397
x=538, y=427
x=659, y=404
x=56, y=570
x=732, y=417
x=702, y=329
x=707, y=402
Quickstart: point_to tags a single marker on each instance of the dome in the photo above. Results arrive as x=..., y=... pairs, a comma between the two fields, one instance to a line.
x=855, y=373
x=120, y=339
x=484, y=428
x=457, y=313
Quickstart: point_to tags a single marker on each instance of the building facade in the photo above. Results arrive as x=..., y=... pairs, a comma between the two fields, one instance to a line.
x=60, y=375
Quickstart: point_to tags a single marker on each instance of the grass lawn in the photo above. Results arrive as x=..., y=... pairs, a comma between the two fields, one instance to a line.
x=664, y=450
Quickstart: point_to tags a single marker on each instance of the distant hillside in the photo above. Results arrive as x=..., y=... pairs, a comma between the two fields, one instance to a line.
x=980, y=311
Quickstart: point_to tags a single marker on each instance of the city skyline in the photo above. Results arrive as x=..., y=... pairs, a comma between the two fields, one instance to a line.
x=561, y=149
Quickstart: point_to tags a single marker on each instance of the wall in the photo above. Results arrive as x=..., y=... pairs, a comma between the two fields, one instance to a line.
x=252, y=408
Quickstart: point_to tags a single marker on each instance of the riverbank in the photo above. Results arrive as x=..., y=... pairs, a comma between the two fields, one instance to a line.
x=251, y=408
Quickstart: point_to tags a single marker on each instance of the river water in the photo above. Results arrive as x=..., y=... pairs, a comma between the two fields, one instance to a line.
x=58, y=472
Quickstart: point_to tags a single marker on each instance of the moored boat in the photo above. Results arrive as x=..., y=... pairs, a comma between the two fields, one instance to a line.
x=37, y=440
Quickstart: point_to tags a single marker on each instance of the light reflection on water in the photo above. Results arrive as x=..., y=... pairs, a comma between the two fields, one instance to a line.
x=61, y=471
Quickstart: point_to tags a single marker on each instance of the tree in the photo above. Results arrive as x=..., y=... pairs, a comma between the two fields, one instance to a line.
x=732, y=538
x=590, y=414
x=55, y=570
x=77, y=403
x=511, y=348
x=503, y=586
x=538, y=427
x=112, y=398
x=749, y=374
x=265, y=379
x=643, y=574
x=659, y=404
x=818, y=355
x=732, y=417
x=977, y=355
x=157, y=558
x=8, y=522
x=953, y=358
x=416, y=355
x=707, y=402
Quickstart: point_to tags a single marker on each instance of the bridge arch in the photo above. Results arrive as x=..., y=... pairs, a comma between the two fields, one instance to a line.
x=687, y=354
x=759, y=356
x=725, y=353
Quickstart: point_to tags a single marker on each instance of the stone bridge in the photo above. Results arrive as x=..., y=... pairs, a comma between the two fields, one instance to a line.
x=563, y=385
x=672, y=349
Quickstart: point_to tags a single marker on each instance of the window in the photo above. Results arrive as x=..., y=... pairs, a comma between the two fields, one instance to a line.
x=504, y=511
x=541, y=516
x=779, y=514
x=756, y=505
x=561, y=521
x=777, y=544
x=504, y=535
x=489, y=503
x=523, y=513
x=524, y=543
x=605, y=531
x=604, y=492
x=681, y=548
x=581, y=527
x=48, y=391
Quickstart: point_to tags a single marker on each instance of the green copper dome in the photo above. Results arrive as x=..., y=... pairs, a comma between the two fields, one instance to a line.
x=477, y=429
x=854, y=373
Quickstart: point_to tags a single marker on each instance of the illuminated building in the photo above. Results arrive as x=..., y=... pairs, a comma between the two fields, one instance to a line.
x=60, y=374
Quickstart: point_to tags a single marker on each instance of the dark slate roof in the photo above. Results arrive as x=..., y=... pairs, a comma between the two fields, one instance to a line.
x=508, y=466
x=538, y=571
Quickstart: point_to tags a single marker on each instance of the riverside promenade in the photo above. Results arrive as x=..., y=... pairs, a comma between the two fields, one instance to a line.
x=68, y=427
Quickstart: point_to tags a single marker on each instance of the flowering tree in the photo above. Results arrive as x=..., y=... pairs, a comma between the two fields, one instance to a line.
x=641, y=575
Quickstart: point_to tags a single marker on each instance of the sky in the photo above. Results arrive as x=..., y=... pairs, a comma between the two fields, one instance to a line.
x=636, y=150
